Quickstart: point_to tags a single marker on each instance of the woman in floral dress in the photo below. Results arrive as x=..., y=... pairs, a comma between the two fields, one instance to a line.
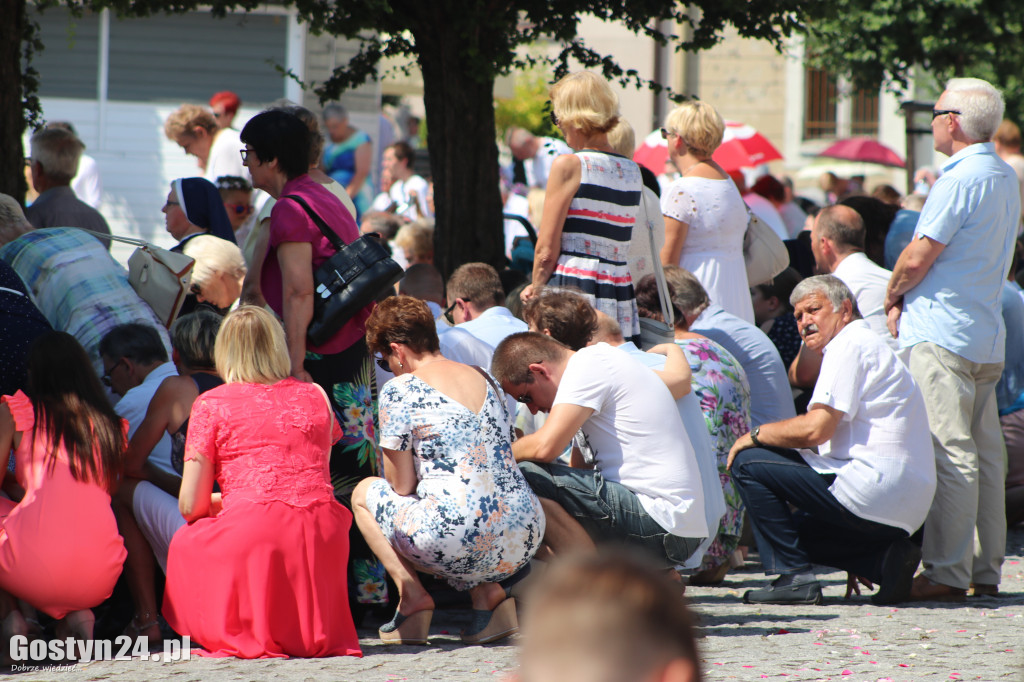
x=720, y=383
x=453, y=502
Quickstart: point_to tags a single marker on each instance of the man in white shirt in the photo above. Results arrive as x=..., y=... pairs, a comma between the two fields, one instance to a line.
x=644, y=486
x=135, y=363
x=475, y=303
x=871, y=482
x=837, y=241
x=536, y=154
x=408, y=191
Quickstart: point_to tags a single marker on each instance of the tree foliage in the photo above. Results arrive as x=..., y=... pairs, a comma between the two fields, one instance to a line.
x=876, y=42
x=528, y=107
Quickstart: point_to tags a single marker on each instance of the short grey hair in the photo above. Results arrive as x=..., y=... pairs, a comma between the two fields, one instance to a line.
x=214, y=257
x=58, y=151
x=829, y=286
x=980, y=104
x=688, y=294
x=13, y=223
x=336, y=111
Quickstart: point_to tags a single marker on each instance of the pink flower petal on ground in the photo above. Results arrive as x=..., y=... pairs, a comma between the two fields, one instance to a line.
x=873, y=662
x=847, y=672
x=961, y=630
x=904, y=665
x=818, y=643
x=782, y=631
x=748, y=666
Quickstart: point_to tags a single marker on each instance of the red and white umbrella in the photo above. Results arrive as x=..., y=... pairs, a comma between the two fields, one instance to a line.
x=742, y=147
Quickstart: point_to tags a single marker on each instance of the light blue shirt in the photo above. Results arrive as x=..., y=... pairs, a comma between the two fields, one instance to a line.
x=973, y=210
x=771, y=399
x=1010, y=389
x=493, y=325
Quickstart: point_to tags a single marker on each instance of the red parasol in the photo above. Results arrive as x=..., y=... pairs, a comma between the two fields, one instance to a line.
x=742, y=147
x=864, y=149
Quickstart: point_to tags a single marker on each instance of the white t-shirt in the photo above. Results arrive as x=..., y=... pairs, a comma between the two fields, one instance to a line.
x=635, y=435
x=881, y=451
x=225, y=157
x=401, y=192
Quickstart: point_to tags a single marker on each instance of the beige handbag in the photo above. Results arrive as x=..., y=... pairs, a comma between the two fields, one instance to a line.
x=160, y=277
x=764, y=253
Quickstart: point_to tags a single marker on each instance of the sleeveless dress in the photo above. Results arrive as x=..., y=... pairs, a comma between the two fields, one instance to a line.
x=594, y=256
x=473, y=517
x=59, y=547
x=340, y=163
x=204, y=382
x=713, y=250
x=265, y=578
x=721, y=385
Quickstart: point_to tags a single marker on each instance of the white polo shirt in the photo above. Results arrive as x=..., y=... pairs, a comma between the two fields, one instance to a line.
x=881, y=451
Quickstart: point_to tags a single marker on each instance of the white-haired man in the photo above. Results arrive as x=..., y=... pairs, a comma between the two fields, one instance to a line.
x=869, y=485
x=944, y=303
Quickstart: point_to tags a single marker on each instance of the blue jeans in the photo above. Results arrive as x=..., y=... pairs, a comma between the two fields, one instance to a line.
x=821, y=531
x=607, y=510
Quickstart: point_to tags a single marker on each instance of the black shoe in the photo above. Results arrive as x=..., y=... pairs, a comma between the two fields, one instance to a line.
x=898, y=567
x=801, y=593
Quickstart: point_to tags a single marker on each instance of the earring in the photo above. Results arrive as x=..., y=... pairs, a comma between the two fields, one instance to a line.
x=401, y=366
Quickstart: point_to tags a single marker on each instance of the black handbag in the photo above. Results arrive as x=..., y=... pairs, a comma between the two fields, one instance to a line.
x=348, y=281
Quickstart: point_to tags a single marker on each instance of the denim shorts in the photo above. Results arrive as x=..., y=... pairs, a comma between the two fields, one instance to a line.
x=608, y=511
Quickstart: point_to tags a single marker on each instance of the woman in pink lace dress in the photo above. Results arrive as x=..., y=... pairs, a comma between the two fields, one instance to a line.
x=259, y=571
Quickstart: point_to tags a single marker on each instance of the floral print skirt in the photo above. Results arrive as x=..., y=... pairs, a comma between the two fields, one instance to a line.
x=350, y=383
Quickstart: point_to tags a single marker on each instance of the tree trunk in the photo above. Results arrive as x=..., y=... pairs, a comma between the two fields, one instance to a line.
x=463, y=156
x=12, y=118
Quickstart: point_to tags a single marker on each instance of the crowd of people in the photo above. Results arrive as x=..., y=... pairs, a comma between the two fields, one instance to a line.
x=500, y=430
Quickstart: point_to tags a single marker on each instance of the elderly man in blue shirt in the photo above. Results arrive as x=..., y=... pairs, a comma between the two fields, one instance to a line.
x=943, y=302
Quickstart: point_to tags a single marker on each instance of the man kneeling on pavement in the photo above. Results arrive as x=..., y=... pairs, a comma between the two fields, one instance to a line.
x=871, y=482
x=635, y=479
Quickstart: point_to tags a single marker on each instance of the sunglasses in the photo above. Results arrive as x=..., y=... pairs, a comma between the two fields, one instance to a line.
x=942, y=112
x=237, y=209
x=525, y=399
x=665, y=133
x=448, y=312
x=382, y=362
x=106, y=377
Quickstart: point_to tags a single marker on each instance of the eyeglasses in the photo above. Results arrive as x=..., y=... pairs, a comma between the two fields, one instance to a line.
x=245, y=154
x=942, y=112
x=237, y=209
x=551, y=113
x=106, y=377
x=448, y=312
x=382, y=362
x=525, y=399
x=665, y=133
x=172, y=203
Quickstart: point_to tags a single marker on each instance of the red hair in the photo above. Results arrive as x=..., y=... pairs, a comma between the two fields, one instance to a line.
x=228, y=99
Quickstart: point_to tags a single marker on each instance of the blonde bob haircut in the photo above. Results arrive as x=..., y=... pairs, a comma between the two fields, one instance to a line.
x=251, y=348
x=699, y=125
x=584, y=101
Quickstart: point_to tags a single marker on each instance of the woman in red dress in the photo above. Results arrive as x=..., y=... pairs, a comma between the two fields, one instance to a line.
x=259, y=571
x=59, y=547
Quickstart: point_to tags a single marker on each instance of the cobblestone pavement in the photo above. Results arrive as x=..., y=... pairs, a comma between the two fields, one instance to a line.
x=848, y=641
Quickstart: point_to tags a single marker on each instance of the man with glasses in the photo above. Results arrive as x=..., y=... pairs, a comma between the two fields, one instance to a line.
x=476, y=304
x=135, y=363
x=943, y=302
x=643, y=486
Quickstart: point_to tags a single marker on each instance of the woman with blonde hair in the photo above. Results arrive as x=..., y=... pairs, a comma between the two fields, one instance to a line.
x=592, y=202
x=277, y=585
x=705, y=216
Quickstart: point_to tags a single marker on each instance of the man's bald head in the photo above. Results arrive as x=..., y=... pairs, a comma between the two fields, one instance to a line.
x=843, y=226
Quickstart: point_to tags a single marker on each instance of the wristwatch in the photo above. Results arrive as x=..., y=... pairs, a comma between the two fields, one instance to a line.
x=753, y=436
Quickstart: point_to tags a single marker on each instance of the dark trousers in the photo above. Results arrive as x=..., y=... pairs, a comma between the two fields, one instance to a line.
x=820, y=531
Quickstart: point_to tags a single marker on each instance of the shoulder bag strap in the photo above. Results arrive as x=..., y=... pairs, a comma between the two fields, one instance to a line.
x=659, y=273
x=111, y=237
x=499, y=394
x=330, y=234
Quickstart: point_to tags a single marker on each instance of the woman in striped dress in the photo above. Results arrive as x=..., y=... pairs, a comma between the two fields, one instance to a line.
x=592, y=202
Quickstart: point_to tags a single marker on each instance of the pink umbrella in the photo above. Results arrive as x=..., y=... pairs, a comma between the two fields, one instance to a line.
x=742, y=147
x=864, y=149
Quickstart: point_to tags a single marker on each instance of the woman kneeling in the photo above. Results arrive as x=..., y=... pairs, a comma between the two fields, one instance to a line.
x=453, y=503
